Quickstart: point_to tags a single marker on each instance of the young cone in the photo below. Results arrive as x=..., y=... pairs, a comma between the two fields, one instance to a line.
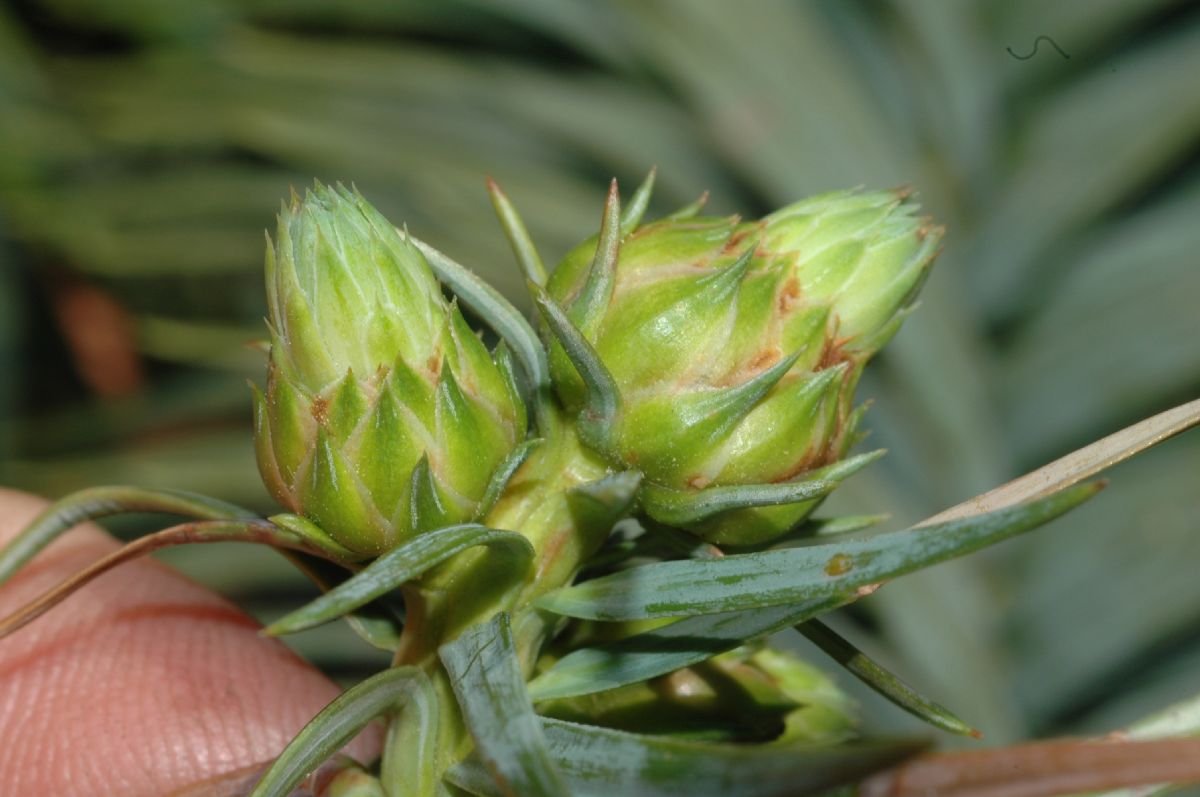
x=384, y=415
x=735, y=347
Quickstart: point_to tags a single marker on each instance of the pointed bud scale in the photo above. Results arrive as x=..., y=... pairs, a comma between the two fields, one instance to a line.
x=736, y=346
x=384, y=414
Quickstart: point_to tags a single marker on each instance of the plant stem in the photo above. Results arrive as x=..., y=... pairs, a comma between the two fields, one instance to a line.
x=470, y=589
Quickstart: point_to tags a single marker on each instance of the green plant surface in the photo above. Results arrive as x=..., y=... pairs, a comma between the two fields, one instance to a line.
x=144, y=147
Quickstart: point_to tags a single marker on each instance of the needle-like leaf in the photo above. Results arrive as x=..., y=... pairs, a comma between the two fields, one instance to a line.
x=402, y=564
x=631, y=215
x=681, y=507
x=795, y=575
x=494, y=309
x=880, y=680
x=518, y=236
x=487, y=680
x=202, y=531
x=600, y=762
x=340, y=721
x=98, y=502
x=598, y=417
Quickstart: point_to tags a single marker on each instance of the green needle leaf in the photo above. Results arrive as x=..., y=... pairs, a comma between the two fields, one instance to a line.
x=599, y=762
x=593, y=300
x=378, y=623
x=880, y=680
x=494, y=309
x=195, y=532
x=97, y=502
x=503, y=473
x=400, y=565
x=663, y=650
x=518, y=236
x=598, y=417
x=409, y=761
x=757, y=580
x=426, y=509
x=682, y=507
x=690, y=210
x=305, y=529
x=339, y=722
x=632, y=215
x=490, y=687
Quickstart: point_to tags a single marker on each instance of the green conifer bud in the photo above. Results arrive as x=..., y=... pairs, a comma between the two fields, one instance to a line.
x=736, y=346
x=384, y=414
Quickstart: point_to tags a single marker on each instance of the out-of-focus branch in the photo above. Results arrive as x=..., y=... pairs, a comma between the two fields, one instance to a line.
x=1041, y=769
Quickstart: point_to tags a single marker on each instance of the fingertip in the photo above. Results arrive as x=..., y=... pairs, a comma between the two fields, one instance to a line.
x=141, y=683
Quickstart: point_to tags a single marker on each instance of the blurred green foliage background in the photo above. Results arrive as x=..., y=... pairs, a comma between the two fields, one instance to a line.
x=146, y=144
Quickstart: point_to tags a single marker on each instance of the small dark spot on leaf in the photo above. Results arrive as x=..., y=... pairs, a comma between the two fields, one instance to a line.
x=789, y=297
x=839, y=564
x=320, y=409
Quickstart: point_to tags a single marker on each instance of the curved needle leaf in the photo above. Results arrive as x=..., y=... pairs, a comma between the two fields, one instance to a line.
x=503, y=473
x=1079, y=465
x=518, y=236
x=379, y=623
x=599, y=762
x=97, y=502
x=757, y=580
x=681, y=507
x=632, y=215
x=663, y=650
x=690, y=210
x=490, y=687
x=589, y=306
x=603, y=402
x=883, y=682
x=339, y=722
x=201, y=531
x=307, y=530
x=399, y=565
x=411, y=753
x=494, y=309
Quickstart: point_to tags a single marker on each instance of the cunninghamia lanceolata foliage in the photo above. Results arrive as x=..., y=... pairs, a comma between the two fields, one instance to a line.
x=736, y=346
x=699, y=375
x=384, y=415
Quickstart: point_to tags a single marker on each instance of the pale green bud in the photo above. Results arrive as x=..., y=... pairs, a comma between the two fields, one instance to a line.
x=736, y=347
x=384, y=414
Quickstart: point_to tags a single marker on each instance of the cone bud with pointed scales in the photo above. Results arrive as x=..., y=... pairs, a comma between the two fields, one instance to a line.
x=736, y=347
x=384, y=415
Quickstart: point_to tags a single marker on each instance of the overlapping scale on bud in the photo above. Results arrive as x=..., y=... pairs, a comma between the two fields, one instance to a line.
x=736, y=346
x=384, y=414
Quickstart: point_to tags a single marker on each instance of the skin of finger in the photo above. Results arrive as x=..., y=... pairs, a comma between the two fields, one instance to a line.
x=141, y=683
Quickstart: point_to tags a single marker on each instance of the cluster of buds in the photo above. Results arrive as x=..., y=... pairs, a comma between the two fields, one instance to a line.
x=695, y=374
x=729, y=350
x=734, y=348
